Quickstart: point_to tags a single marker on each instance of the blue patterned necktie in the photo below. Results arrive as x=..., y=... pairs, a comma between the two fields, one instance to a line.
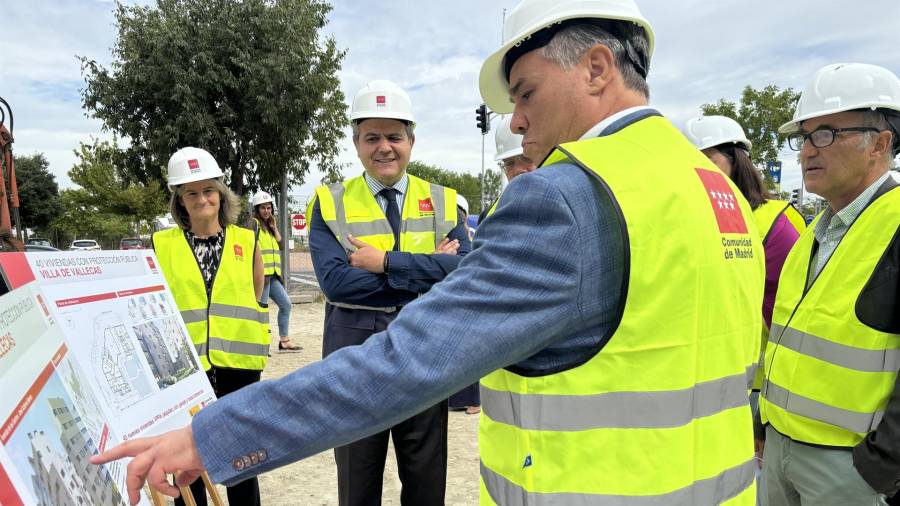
x=392, y=211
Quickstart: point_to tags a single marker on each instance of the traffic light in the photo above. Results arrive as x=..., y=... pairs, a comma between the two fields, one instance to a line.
x=795, y=196
x=481, y=119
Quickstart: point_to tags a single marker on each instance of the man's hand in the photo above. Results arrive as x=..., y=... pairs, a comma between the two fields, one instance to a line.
x=366, y=257
x=447, y=247
x=759, y=446
x=154, y=459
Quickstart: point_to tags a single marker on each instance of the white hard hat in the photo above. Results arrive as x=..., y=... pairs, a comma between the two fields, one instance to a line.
x=192, y=164
x=463, y=203
x=844, y=87
x=711, y=131
x=530, y=17
x=382, y=99
x=261, y=197
x=508, y=143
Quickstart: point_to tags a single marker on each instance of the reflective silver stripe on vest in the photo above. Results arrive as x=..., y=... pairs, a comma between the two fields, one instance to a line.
x=668, y=408
x=715, y=490
x=237, y=312
x=271, y=264
x=751, y=374
x=341, y=228
x=201, y=349
x=193, y=315
x=391, y=309
x=854, y=421
x=227, y=346
x=441, y=227
x=270, y=251
x=850, y=357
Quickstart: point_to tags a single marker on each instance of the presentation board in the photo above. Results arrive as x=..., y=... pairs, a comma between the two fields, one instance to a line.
x=98, y=353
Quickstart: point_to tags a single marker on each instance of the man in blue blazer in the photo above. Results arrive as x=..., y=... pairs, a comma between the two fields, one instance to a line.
x=542, y=292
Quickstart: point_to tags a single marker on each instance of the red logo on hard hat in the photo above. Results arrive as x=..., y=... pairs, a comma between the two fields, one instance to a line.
x=381, y=100
x=724, y=203
x=194, y=165
x=238, y=251
x=425, y=206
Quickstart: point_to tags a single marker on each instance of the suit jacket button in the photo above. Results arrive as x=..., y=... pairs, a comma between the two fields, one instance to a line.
x=246, y=461
x=262, y=455
x=238, y=464
x=254, y=459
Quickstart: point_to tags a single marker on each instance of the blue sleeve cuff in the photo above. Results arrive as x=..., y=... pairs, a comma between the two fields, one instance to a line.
x=398, y=265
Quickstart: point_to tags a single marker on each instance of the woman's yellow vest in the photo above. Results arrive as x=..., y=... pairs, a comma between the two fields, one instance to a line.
x=428, y=215
x=229, y=329
x=829, y=376
x=766, y=215
x=270, y=250
x=660, y=415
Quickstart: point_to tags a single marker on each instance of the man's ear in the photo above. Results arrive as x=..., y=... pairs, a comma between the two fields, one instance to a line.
x=883, y=143
x=601, y=66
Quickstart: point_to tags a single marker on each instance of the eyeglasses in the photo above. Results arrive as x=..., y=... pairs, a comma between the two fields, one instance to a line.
x=822, y=137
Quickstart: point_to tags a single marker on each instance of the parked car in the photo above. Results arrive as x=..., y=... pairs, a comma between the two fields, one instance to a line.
x=84, y=245
x=39, y=247
x=38, y=241
x=131, y=243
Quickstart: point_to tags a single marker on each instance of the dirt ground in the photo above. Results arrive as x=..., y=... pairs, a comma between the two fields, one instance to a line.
x=313, y=481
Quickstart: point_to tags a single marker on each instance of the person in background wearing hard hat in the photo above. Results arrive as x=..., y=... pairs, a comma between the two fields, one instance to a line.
x=377, y=241
x=831, y=394
x=613, y=341
x=263, y=220
x=723, y=140
x=215, y=272
x=509, y=153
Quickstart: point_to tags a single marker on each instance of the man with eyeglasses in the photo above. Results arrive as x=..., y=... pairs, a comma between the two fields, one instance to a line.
x=510, y=155
x=831, y=396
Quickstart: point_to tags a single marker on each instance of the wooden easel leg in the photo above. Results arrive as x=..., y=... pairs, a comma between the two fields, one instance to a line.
x=157, y=498
x=213, y=493
x=186, y=494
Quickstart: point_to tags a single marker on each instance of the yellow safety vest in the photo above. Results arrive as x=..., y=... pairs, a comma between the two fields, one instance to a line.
x=828, y=375
x=229, y=329
x=766, y=215
x=271, y=251
x=428, y=215
x=660, y=415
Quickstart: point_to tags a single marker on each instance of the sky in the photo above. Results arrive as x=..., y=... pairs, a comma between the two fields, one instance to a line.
x=704, y=50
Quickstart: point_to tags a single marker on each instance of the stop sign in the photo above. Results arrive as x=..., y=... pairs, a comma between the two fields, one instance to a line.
x=298, y=221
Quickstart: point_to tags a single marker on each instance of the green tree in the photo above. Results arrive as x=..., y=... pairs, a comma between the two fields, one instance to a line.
x=252, y=82
x=107, y=207
x=467, y=185
x=760, y=113
x=39, y=202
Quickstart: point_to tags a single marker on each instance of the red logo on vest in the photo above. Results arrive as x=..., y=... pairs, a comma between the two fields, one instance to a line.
x=238, y=252
x=194, y=165
x=723, y=201
x=425, y=206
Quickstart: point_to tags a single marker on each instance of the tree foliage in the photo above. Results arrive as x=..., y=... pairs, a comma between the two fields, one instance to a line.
x=760, y=113
x=252, y=82
x=106, y=207
x=39, y=202
x=467, y=185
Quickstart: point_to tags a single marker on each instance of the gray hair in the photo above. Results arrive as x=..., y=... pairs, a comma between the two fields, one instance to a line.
x=229, y=205
x=410, y=129
x=570, y=44
x=875, y=119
